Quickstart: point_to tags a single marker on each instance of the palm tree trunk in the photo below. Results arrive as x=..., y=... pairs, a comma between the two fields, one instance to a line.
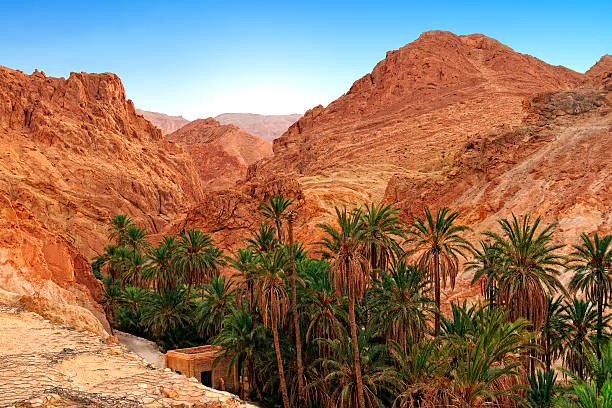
x=599, y=321
x=279, y=232
x=547, y=356
x=187, y=295
x=360, y=395
x=279, y=360
x=240, y=382
x=437, y=293
x=296, y=320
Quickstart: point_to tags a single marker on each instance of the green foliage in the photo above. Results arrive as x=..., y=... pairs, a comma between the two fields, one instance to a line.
x=365, y=310
x=542, y=389
x=530, y=267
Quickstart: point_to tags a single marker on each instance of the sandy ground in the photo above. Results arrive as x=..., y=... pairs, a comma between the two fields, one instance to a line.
x=146, y=349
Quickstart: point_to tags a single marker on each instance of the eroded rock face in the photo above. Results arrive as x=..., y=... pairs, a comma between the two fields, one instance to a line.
x=556, y=164
x=447, y=120
x=45, y=273
x=76, y=153
x=166, y=123
x=222, y=153
x=415, y=109
x=231, y=215
x=465, y=122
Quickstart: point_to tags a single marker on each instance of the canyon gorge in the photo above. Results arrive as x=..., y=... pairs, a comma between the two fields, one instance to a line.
x=447, y=120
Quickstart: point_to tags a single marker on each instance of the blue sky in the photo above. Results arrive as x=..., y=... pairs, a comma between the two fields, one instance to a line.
x=201, y=59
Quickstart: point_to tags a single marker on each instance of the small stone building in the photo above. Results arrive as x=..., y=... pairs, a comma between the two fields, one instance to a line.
x=198, y=362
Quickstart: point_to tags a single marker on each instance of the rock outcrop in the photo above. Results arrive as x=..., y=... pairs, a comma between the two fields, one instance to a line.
x=445, y=114
x=231, y=215
x=268, y=127
x=222, y=153
x=43, y=272
x=48, y=365
x=461, y=121
x=73, y=153
x=166, y=123
x=76, y=153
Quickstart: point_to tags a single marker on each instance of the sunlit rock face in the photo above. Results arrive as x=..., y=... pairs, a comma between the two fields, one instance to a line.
x=75, y=152
x=461, y=121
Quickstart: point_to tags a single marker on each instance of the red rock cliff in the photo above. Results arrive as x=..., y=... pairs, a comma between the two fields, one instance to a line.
x=75, y=152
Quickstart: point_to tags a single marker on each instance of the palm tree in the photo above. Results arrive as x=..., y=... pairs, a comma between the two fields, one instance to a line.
x=439, y=245
x=382, y=227
x=340, y=367
x=593, y=390
x=244, y=264
x=542, y=390
x=196, y=258
x=275, y=210
x=107, y=259
x=486, y=365
x=272, y=300
x=166, y=313
x=553, y=332
x=592, y=265
x=110, y=298
x=587, y=395
x=401, y=305
x=121, y=261
x=118, y=227
x=579, y=317
x=529, y=272
x=350, y=272
x=134, y=267
x=325, y=318
x=241, y=341
x=420, y=373
x=219, y=298
x=159, y=269
x=294, y=307
x=135, y=238
x=486, y=265
x=263, y=240
x=133, y=298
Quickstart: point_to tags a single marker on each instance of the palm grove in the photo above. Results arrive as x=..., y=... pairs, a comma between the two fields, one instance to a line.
x=358, y=323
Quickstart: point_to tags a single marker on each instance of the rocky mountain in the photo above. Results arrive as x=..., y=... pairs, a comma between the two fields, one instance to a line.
x=74, y=152
x=166, y=123
x=462, y=121
x=268, y=127
x=222, y=153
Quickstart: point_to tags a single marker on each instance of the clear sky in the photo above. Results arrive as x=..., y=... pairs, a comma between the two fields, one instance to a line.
x=200, y=59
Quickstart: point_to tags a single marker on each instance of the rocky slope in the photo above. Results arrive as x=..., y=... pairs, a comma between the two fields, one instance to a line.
x=222, y=153
x=462, y=121
x=268, y=127
x=43, y=272
x=166, y=123
x=75, y=151
x=49, y=365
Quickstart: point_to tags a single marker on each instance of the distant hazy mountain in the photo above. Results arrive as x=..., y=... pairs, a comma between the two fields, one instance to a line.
x=165, y=122
x=222, y=153
x=268, y=127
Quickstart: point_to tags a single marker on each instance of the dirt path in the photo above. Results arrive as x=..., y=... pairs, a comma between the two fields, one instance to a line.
x=146, y=349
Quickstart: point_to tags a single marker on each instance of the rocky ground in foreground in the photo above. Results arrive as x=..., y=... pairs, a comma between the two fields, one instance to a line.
x=43, y=364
